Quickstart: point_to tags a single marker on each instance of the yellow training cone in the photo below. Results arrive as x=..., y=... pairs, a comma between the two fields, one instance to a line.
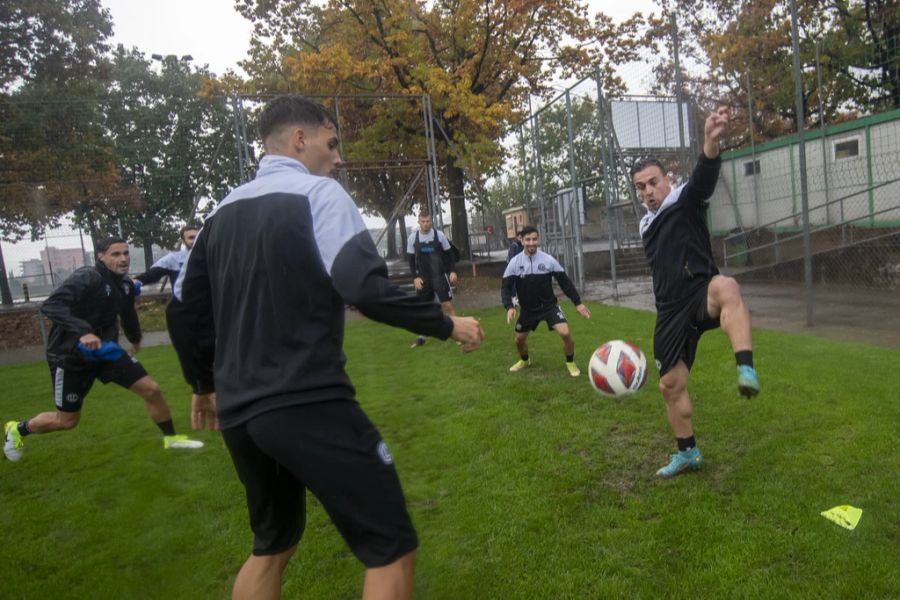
x=845, y=515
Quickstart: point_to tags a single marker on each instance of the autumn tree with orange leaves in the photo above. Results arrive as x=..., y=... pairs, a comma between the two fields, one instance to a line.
x=478, y=61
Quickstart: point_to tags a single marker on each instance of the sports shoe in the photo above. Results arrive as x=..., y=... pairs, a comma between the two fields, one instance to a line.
x=573, y=369
x=12, y=444
x=419, y=341
x=180, y=441
x=748, y=383
x=682, y=461
x=520, y=364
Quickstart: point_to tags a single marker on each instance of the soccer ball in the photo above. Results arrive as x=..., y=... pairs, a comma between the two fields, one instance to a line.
x=617, y=369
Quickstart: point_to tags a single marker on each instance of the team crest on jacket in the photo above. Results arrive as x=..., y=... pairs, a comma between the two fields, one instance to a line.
x=126, y=288
x=108, y=289
x=542, y=267
x=384, y=453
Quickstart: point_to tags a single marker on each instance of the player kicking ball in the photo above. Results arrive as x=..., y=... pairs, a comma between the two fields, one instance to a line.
x=691, y=295
x=83, y=347
x=530, y=275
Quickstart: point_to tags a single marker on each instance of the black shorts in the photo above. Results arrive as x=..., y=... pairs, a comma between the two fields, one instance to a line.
x=72, y=379
x=436, y=287
x=678, y=330
x=332, y=449
x=528, y=321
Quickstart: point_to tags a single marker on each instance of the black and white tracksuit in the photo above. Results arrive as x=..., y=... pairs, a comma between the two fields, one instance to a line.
x=90, y=300
x=275, y=264
x=531, y=278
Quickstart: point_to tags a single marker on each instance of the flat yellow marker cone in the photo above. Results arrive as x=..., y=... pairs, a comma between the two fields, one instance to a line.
x=845, y=515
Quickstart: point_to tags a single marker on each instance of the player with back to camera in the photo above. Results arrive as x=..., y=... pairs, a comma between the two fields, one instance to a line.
x=691, y=296
x=530, y=275
x=83, y=347
x=294, y=246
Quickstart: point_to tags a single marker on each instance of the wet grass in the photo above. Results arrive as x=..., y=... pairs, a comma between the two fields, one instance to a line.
x=523, y=485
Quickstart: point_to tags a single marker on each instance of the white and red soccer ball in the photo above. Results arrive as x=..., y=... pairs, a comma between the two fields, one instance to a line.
x=617, y=369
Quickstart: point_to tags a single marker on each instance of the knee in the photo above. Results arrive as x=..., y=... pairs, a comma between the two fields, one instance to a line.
x=152, y=392
x=729, y=290
x=671, y=387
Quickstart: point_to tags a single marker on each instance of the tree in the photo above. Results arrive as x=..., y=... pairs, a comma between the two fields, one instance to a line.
x=52, y=151
x=478, y=61
x=735, y=42
x=168, y=142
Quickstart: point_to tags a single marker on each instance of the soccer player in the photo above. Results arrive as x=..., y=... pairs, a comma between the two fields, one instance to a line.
x=275, y=263
x=83, y=347
x=530, y=274
x=194, y=366
x=691, y=296
x=432, y=265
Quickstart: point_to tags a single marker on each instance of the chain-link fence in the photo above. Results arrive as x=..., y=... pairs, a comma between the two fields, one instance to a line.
x=140, y=168
x=585, y=141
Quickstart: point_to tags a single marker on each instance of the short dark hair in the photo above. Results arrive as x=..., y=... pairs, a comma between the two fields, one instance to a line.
x=424, y=213
x=188, y=227
x=528, y=229
x=292, y=109
x=643, y=163
x=104, y=244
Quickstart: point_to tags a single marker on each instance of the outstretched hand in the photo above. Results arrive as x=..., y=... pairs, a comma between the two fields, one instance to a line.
x=712, y=130
x=203, y=411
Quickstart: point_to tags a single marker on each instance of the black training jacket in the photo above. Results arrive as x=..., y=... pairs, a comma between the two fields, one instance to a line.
x=676, y=238
x=90, y=300
x=275, y=263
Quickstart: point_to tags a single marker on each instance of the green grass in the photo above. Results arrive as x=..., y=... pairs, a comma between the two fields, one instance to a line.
x=521, y=486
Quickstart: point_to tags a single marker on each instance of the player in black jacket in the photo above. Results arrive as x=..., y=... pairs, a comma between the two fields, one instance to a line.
x=275, y=263
x=179, y=323
x=691, y=295
x=530, y=274
x=83, y=346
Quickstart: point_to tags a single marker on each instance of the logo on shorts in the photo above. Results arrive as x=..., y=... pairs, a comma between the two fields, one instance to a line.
x=518, y=326
x=658, y=365
x=384, y=453
x=72, y=398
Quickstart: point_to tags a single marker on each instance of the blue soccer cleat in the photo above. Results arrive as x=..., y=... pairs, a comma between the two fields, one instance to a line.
x=748, y=382
x=682, y=461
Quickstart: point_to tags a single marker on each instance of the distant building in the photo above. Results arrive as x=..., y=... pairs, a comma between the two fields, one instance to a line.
x=62, y=262
x=33, y=268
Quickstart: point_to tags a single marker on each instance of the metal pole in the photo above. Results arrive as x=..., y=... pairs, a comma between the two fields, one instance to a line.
x=679, y=100
x=824, y=143
x=608, y=182
x=574, y=212
x=801, y=146
x=237, y=139
x=752, y=152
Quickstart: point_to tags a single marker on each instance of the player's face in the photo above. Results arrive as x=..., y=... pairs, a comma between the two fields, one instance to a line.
x=652, y=186
x=530, y=241
x=188, y=237
x=320, y=149
x=425, y=223
x=116, y=258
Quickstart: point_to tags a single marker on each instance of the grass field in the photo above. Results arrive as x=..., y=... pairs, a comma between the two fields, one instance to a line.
x=521, y=486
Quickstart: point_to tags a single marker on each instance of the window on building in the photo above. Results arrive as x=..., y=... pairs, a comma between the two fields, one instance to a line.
x=846, y=148
x=751, y=168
